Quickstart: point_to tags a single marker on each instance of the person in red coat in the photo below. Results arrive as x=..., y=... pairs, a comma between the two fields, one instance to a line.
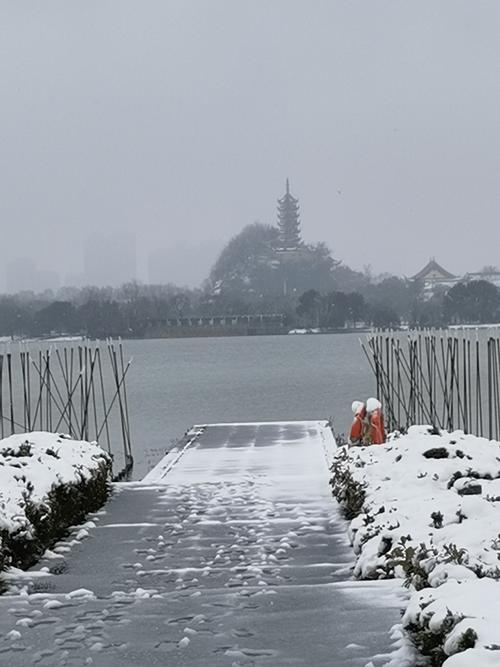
x=375, y=417
x=358, y=427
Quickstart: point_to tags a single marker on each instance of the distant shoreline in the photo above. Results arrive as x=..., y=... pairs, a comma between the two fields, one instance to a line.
x=184, y=333
x=210, y=333
x=216, y=332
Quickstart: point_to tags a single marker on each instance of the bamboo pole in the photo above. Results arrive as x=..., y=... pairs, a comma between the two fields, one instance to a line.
x=125, y=401
x=103, y=396
x=2, y=430
x=11, y=400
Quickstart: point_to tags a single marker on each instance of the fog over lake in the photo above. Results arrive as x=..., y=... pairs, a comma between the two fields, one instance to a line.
x=137, y=138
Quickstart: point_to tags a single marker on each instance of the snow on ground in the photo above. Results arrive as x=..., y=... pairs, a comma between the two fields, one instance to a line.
x=236, y=556
x=303, y=331
x=426, y=507
x=32, y=465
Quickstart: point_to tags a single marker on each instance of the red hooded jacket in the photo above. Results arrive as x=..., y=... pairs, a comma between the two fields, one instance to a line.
x=357, y=432
x=376, y=427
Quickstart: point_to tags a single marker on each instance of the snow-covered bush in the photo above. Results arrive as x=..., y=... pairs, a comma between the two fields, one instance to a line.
x=426, y=508
x=349, y=492
x=47, y=483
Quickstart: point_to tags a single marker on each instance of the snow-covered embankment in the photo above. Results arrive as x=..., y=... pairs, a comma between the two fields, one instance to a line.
x=426, y=507
x=47, y=483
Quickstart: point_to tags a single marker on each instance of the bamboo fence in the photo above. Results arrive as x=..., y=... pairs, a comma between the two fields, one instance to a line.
x=448, y=379
x=78, y=388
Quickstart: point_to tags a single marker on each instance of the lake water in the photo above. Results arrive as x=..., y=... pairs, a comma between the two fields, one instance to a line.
x=175, y=383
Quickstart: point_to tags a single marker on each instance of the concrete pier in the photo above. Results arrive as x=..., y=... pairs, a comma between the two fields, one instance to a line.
x=230, y=552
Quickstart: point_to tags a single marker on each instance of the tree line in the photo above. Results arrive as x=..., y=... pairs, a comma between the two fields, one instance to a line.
x=394, y=302
x=136, y=310
x=308, y=287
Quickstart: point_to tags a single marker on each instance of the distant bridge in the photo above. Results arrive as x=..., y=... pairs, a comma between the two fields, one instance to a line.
x=243, y=323
x=225, y=320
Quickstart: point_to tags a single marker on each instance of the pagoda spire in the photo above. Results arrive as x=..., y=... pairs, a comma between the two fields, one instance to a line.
x=288, y=221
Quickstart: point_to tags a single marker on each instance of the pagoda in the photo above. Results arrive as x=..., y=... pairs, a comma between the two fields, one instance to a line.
x=288, y=221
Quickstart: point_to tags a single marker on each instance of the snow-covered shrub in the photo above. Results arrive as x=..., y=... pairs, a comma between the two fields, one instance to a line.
x=426, y=508
x=349, y=492
x=457, y=617
x=47, y=483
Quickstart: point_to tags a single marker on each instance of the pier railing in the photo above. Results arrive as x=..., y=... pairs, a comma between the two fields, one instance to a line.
x=448, y=379
x=77, y=388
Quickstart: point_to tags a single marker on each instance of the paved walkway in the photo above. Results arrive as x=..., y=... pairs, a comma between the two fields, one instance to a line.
x=231, y=552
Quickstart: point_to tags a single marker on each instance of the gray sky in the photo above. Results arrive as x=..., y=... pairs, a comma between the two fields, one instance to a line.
x=178, y=122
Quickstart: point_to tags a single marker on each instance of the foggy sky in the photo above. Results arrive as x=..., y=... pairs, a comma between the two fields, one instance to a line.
x=177, y=122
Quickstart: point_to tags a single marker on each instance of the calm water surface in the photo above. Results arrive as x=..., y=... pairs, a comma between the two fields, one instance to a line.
x=175, y=383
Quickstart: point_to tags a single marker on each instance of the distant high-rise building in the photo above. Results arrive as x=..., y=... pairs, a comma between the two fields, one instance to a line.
x=47, y=279
x=74, y=279
x=23, y=275
x=20, y=275
x=184, y=263
x=110, y=260
x=162, y=266
x=288, y=221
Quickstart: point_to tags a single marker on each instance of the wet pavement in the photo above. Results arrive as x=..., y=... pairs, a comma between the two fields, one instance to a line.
x=231, y=552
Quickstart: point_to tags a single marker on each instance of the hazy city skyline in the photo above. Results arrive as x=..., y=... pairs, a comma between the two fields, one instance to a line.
x=178, y=122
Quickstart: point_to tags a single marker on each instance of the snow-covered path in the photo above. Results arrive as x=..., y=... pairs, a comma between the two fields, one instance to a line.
x=235, y=556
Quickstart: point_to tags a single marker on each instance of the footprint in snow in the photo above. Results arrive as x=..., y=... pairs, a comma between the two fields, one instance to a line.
x=181, y=619
x=242, y=632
